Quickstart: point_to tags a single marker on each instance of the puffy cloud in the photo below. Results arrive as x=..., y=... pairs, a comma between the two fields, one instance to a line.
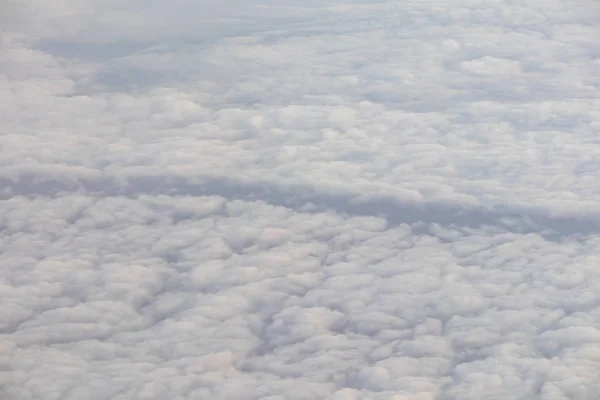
x=299, y=200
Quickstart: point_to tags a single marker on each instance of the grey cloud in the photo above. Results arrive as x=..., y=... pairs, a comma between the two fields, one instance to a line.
x=315, y=200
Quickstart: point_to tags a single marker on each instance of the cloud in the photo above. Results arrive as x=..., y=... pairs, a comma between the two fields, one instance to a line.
x=299, y=200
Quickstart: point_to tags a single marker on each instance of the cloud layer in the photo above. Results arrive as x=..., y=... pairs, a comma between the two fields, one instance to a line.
x=299, y=200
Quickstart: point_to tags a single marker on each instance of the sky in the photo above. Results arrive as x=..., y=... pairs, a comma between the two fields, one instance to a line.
x=337, y=199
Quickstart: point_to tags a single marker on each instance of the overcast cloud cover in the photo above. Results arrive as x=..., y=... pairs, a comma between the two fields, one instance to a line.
x=258, y=199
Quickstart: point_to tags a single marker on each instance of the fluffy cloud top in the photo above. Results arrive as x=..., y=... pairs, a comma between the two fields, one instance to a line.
x=299, y=200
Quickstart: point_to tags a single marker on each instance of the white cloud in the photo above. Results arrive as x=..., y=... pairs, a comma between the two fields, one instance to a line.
x=299, y=200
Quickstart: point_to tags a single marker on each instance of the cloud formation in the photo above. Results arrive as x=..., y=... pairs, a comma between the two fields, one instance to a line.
x=299, y=200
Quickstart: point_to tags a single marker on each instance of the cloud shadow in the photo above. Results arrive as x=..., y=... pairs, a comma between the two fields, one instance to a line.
x=306, y=198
